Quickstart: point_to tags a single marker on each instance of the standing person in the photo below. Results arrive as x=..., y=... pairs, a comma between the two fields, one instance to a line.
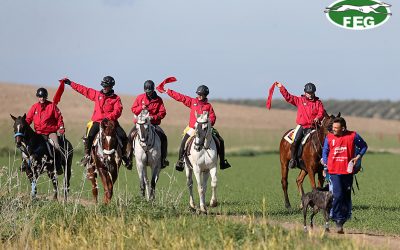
x=151, y=102
x=339, y=155
x=48, y=120
x=107, y=106
x=310, y=111
x=199, y=104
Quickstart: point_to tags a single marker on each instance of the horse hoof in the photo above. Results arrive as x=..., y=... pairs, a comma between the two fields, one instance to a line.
x=213, y=203
x=192, y=209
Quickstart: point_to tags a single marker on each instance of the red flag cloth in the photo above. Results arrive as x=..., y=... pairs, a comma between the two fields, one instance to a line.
x=271, y=93
x=160, y=86
x=60, y=91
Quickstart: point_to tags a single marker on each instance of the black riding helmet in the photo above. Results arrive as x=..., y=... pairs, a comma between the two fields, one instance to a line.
x=310, y=88
x=149, y=86
x=203, y=90
x=42, y=92
x=108, y=81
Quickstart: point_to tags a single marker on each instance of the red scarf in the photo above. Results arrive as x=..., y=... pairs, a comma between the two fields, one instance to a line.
x=60, y=91
x=160, y=86
x=271, y=93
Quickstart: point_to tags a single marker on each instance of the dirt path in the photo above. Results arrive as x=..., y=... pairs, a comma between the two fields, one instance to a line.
x=362, y=239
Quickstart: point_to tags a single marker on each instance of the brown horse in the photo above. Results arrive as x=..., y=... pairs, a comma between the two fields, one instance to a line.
x=312, y=153
x=105, y=160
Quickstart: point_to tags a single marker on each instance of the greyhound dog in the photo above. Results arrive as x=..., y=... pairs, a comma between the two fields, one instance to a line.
x=362, y=9
x=317, y=199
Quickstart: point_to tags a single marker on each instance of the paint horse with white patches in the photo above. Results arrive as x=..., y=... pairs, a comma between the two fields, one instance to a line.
x=106, y=158
x=363, y=9
x=201, y=159
x=147, y=149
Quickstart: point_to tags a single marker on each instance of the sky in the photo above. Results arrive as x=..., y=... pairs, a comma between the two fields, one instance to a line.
x=237, y=48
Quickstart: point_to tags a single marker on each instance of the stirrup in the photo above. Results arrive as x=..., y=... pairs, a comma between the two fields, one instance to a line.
x=292, y=163
x=164, y=164
x=85, y=160
x=224, y=164
x=180, y=166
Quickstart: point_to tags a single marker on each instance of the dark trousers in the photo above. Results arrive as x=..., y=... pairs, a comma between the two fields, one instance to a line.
x=341, y=189
x=294, y=149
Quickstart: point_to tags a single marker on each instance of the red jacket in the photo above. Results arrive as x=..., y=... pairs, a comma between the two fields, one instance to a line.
x=341, y=151
x=155, y=107
x=109, y=107
x=307, y=110
x=46, y=117
x=195, y=105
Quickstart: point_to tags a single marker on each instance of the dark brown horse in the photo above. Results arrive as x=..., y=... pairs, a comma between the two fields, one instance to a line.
x=312, y=153
x=105, y=160
x=38, y=156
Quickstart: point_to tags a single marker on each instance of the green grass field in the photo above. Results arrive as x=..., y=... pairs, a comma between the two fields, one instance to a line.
x=251, y=188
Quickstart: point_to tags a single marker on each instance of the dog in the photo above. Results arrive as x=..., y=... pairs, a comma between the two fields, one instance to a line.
x=317, y=199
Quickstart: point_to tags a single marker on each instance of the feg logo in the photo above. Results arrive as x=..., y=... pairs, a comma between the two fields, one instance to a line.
x=358, y=14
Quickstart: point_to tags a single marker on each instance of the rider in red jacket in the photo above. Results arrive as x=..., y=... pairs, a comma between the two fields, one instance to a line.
x=151, y=102
x=47, y=120
x=310, y=111
x=199, y=104
x=107, y=106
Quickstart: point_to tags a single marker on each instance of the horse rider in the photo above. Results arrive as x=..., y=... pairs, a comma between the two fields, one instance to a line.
x=153, y=103
x=197, y=105
x=310, y=111
x=107, y=106
x=48, y=120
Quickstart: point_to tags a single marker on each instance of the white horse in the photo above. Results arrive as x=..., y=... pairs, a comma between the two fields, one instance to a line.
x=363, y=9
x=202, y=161
x=147, y=149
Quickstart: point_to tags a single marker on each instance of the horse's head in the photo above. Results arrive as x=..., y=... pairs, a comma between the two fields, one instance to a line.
x=202, y=130
x=20, y=128
x=328, y=121
x=108, y=138
x=143, y=126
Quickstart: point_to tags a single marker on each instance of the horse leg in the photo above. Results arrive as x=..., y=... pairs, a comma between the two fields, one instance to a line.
x=106, y=180
x=53, y=178
x=284, y=181
x=321, y=179
x=200, y=190
x=213, y=174
x=140, y=169
x=154, y=179
x=189, y=183
x=299, y=182
x=312, y=178
x=92, y=178
x=146, y=183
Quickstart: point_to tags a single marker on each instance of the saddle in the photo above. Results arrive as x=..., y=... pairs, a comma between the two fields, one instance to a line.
x=289, y=137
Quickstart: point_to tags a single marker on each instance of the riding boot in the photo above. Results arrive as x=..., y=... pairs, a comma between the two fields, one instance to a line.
x=126, y=155
x=58, y=164
x=180, y=165
x=293, y=154
x=223, y=163
x=164, y=147
x=88, y=144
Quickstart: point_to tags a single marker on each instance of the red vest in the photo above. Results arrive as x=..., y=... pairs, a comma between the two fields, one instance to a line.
x=155, y=107
x=46, y=117
x=341, y=151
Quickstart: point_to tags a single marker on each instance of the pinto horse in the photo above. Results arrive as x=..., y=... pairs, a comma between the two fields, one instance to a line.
x=201, y=159
x=312, y=153
x=147, y=148
x=105, y=159
x=38, y=156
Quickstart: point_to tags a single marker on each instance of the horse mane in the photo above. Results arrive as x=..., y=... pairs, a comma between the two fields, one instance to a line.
x=108, y=127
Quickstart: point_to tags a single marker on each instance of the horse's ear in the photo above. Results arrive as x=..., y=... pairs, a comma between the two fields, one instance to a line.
x=205, y=113
x=135, y=117
x=13, y=117
x=338, y=115
x=24, y=117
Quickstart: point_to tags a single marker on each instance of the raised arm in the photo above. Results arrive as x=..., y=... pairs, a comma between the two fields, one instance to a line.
x=186, y=100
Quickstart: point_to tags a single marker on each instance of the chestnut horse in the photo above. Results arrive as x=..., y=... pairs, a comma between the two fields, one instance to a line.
x=105, y=159
x=312, y=154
